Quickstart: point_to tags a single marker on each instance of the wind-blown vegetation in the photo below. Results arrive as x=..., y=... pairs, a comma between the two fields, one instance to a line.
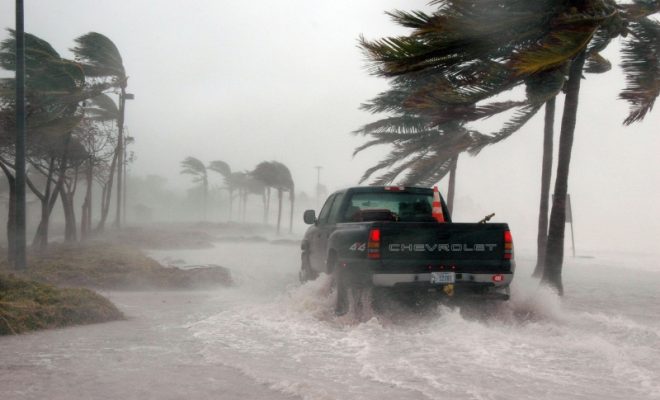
x=74, y=130
x=265, y=176
x=462, y=58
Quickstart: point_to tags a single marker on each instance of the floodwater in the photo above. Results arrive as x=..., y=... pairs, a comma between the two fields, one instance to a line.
x=269, y=337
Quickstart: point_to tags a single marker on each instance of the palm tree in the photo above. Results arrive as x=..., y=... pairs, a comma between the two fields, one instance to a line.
x=265, y=173
x=276, y=175
x=197, y=169
x=428, y=131
x=100, y=58
x=476, y=49
x=238, y=181
x=54, y=88
x=423, y=156
x=224, y=169
x=641, y=65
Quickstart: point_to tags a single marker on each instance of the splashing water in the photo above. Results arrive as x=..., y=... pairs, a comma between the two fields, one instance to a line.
x=586, y=345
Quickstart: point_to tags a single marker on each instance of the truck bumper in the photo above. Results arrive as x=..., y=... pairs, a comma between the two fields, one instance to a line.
x=493, y=285
x=480, y=286
x=392, y=280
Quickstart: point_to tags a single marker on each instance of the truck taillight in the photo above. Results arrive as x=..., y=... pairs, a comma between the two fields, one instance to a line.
x=373, y=245
x=508, y=245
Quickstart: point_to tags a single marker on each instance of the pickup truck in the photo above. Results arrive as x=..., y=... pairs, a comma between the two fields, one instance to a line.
x=388, y=237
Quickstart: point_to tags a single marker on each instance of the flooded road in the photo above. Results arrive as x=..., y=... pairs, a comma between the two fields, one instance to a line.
x=268, y=337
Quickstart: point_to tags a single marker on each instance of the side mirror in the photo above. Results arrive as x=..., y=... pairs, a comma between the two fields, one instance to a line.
x=309, y=217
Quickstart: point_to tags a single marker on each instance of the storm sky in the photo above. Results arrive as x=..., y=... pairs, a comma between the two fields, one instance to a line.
x=245, y=82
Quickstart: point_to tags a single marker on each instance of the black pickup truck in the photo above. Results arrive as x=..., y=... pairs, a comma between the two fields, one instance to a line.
x=388, y=237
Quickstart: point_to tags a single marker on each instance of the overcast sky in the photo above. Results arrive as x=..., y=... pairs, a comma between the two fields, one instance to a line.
x=245, y=82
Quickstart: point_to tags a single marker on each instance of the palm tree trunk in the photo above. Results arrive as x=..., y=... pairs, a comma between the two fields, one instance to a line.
x=245, y=198
x=554, y=256
x=48, y=200
x=231, y=203
x=68, y=193
x=241, y=195
x=105, y=201
x=40, y=240
x=451, y=191
x=546, y=176
x=11, y=215
x=86, y=218
x=279, y=209
x=11, y=223
x=263, y=200
x=205, y=196
x=70, y=230
x=292, y=199
x=267, y=206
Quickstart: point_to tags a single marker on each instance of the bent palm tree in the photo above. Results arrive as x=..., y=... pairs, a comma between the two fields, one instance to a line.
x=276, y=175
x=54, y=88
x=100, y=58
x=475, y=49
x=224, y=169
x=196, y=168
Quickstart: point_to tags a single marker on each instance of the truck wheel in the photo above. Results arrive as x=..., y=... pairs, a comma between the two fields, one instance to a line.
x=306, y=272
x=341, y=304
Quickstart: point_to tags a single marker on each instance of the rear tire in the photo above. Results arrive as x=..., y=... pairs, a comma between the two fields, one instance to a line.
x=306, y=272
x=342, y=301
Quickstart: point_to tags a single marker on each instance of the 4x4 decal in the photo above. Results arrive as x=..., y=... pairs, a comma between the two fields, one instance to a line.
x=358, y=246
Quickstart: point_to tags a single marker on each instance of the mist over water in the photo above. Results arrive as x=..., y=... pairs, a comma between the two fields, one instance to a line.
x=269, y=337
x=601, y=341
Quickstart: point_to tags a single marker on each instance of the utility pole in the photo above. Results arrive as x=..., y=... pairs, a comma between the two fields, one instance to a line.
x=127, y=140
x=20, y=261
x=120, y=157
x=123, y=96
x=123, y=216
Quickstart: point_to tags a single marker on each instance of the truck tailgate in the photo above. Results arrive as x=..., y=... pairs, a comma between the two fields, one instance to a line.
x=463, y=246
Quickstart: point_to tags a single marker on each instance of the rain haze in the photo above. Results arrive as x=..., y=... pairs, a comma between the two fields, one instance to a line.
x=246, y=82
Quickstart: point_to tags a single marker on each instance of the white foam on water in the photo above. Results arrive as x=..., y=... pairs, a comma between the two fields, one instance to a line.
x=537, y=345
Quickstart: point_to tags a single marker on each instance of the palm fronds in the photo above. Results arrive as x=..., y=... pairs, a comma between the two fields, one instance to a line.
x=641, y=66
x=193, y=166
x=220, y=167
x=102, y=108
x=99, y=57
x=468, y=51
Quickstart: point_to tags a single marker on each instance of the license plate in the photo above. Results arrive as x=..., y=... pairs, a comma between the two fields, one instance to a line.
x=443, y=277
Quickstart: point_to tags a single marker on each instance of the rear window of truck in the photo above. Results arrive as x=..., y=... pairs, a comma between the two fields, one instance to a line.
x=397, y=206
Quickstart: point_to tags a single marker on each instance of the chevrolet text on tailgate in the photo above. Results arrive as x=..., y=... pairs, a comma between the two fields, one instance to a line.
x=403, y=238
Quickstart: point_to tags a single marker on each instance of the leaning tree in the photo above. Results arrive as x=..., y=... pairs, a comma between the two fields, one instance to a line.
x=478, y=49
x=100, y=58
x=276, y=175
x=55, y=87
x=193, y=166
